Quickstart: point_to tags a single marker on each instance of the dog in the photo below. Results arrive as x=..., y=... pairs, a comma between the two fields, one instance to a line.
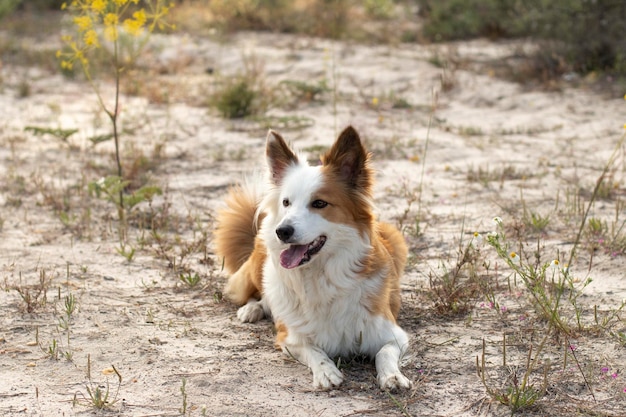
x=304, y=247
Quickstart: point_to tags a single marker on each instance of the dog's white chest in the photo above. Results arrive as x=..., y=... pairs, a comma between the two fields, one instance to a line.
x=329, y=312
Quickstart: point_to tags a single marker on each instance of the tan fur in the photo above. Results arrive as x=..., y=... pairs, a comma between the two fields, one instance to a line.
x=236, y=243
x=389, y=253
x=281, y=335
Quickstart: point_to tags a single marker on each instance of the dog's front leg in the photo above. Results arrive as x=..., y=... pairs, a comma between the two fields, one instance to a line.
x=325, y=373
x=388, y=367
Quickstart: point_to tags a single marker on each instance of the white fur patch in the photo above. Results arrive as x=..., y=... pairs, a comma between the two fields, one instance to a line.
x=323, y=303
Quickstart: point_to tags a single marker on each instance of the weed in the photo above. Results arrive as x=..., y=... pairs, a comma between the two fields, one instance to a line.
x=243, y=95
x=98, y=396
x=454, y=291
x=61, y=134
x=283, y=123
x=305, y=92
x=547, y=283
x=34, y=297
x=536, y=221
x=407, y=221
x=236, y=99
x=183, y=391
x=485, y=175
x=52, y=351
x=470, y=131
x=517, y=395
x=127, y=251
x=112, y=188
x=610, y=237
x=189, y=279
x=114, y=17
x=177, y=251
x=533, y=220
x=65, y=321
x=55, y=349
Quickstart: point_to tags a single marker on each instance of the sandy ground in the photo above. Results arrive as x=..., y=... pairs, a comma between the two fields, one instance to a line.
x=535, y=149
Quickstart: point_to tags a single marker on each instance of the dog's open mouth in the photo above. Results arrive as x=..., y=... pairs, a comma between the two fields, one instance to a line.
x=297, y=255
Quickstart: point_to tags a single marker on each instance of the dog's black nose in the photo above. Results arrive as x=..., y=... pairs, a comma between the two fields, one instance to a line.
x=285, y=233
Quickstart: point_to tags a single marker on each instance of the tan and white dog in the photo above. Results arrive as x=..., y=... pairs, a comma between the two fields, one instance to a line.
x=306, y=249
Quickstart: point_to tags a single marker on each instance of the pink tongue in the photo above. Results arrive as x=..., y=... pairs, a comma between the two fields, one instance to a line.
x=290, y=258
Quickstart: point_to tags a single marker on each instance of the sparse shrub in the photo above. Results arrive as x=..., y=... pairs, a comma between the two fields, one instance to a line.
x=575, y=35
x=7, y=6
x=326, y=18
x=244, y=94
x=461, y=19
x=236, y=100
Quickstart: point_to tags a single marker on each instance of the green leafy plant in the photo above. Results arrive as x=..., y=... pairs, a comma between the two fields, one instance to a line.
x=65, y=321
x=189, y=279
x=98, y=397
x=517, y=394
x=112, y=188
x=62, y=134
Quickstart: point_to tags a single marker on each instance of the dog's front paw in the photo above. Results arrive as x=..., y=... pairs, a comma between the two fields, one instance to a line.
x=326, y=375
x=251, y=312
x=393, y=381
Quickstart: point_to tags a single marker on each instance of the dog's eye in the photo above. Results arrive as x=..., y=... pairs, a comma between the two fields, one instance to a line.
x=319, y=204
x=286, y=202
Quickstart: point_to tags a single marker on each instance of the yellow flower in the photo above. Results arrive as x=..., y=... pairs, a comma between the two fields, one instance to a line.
x=98, y=6
x=121, y=2
x=83, y=23
x=134, y=26
x=91, y=38
x=140, y=16
x=375, y=101
x=110, y=19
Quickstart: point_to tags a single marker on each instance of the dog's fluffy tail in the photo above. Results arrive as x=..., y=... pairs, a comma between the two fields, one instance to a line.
x=237, y=225
x=235, y=238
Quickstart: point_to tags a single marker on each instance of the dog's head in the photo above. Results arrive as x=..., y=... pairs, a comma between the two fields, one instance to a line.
x=319, y=209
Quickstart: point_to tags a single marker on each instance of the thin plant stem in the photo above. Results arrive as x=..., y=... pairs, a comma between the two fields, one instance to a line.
x=594, y=195
x=113, y=115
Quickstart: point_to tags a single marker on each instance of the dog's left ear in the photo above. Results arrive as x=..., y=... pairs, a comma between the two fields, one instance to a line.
x=349, y=158
x=279, y=156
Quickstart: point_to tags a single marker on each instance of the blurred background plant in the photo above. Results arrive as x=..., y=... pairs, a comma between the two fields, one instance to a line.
x=106, y=25
x=573, y=35
x=581, y=36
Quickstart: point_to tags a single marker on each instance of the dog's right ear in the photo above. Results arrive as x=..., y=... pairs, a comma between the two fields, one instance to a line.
x=279, y=156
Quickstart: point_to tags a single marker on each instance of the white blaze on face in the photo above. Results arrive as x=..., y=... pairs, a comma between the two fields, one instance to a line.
x=297, y=192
